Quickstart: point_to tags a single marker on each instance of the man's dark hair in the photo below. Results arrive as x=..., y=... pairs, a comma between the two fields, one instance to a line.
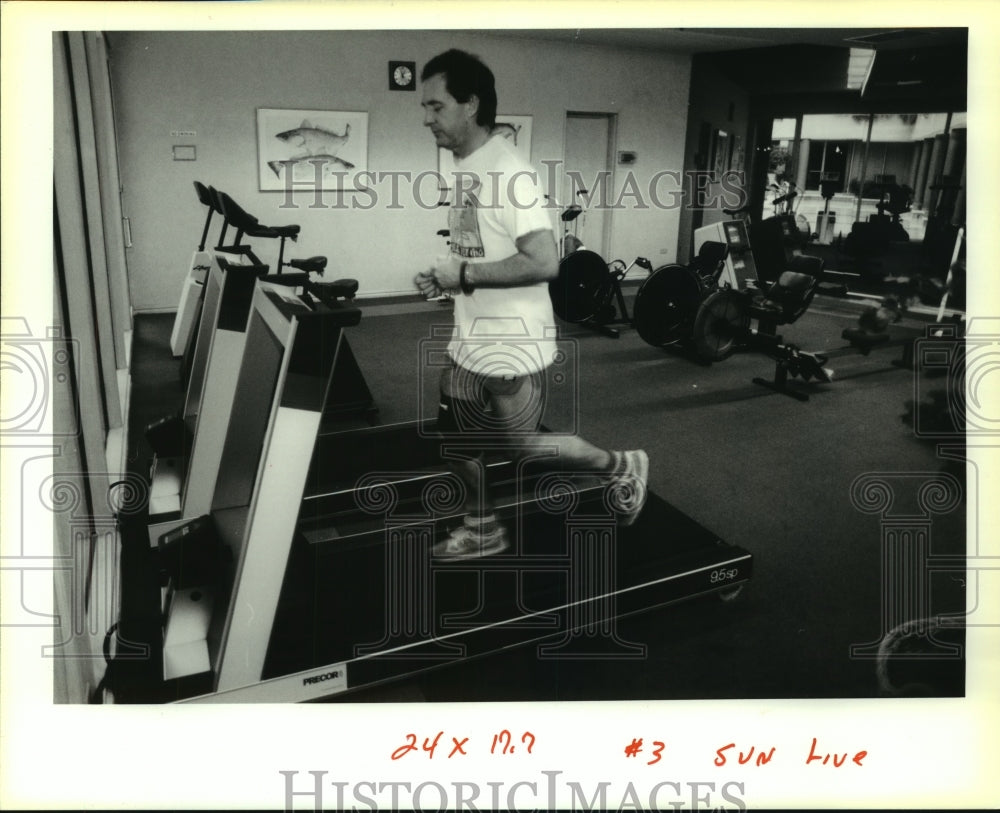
x=465, y=76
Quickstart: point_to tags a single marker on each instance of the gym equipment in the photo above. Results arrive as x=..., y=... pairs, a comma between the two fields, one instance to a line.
x=826, y=220
x=724, y=328
x=235, y=254
x=312, y=574
x=777, y=246
x=292, y=344
x=189, y=306
x=249, y=226
x=758, y=250
x=721, y=325
x=187, y=446
x=950, y=281
x=785, y=207
x=685, y=305
x=667, y=301
x=782, y=204
x=868, y=241
x=351, y=397
x=667, y=304
x=740, y=265
x=570, y=218
x=588, y=291
x=894, y=201
x=188, y=314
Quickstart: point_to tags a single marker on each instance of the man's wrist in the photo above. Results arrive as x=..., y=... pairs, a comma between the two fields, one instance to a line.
x=463, y=278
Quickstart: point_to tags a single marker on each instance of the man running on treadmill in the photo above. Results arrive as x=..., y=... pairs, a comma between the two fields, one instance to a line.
x=503, y=255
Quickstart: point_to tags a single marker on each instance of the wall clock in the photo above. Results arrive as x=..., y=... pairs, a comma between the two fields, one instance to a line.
x=402, y=76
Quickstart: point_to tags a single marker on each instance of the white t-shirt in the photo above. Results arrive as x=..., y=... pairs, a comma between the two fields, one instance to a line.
x=497, y=198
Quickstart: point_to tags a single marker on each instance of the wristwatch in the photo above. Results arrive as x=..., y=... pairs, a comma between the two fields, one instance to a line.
x=463, y=281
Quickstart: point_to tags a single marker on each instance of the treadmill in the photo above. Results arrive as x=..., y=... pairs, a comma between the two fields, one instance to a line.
x=312, y=576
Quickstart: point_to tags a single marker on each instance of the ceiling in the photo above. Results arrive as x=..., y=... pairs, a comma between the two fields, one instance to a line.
x=705, y=40
x=917, y=67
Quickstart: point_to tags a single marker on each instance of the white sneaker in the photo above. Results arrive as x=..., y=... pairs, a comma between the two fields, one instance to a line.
x=470, y=543
x=628, y=487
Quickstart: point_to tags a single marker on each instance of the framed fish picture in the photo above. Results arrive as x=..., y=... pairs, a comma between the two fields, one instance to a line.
x=516, y=129
x=309, y=150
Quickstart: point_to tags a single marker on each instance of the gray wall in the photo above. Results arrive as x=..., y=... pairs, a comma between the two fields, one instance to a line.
x=213, y=83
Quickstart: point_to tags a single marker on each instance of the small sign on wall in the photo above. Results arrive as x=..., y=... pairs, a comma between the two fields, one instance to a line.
x=185, y=152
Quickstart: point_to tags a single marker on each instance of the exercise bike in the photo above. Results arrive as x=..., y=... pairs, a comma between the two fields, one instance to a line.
x=786, y=208
x=587, y=290
x=686, y=306
x=668, y=300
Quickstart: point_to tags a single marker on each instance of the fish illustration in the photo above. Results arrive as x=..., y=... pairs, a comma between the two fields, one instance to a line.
x=314, y=141
x=311, y=160
x=508, y=131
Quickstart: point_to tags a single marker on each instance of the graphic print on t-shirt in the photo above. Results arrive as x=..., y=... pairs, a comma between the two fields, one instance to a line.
x=463, y=224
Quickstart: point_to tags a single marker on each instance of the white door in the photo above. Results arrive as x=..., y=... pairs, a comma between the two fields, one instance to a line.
x=588, y=165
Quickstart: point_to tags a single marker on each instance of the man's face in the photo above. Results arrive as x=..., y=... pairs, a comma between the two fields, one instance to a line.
x=449, y=120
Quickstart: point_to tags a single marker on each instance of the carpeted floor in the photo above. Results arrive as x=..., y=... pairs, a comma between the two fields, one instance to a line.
x=762, y=470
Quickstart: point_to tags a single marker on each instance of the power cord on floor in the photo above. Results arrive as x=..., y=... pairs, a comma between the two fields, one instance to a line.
x=97, y=696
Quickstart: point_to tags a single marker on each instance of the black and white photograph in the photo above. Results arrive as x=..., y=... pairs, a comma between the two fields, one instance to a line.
x=594, y=415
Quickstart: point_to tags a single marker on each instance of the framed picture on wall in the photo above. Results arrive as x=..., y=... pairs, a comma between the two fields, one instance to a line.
x=517, y=129
x=720, y=151
x=310, y=149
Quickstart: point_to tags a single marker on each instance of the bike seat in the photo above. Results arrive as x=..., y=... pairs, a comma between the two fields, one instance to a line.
x=317, y=264
x=259, y=231
x=286, y=231
x=345, y=288
x=787, y=299
x=571, y=213
x=272, y=232
x=239, y=251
